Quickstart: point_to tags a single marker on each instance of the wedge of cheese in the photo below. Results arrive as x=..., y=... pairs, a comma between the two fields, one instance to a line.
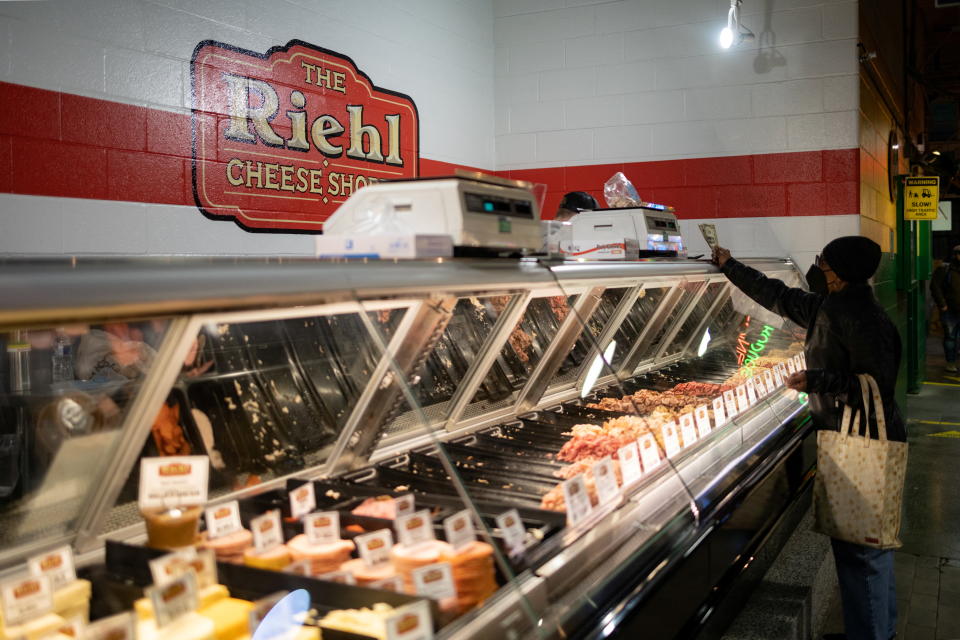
x=73, y=600
x=34, y=630
x=208, y=596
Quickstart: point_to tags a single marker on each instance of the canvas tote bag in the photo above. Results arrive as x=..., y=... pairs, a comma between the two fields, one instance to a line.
x=858, y=488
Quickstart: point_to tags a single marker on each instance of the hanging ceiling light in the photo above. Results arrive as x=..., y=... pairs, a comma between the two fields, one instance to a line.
x=734, y=33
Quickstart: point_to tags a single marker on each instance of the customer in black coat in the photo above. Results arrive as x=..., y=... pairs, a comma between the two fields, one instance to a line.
x=848, y=333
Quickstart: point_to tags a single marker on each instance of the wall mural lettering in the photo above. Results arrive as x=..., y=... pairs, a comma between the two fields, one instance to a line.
x=281, y=139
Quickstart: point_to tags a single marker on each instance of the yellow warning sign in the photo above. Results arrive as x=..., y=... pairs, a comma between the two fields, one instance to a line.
x=945, y=434
x=921, y=197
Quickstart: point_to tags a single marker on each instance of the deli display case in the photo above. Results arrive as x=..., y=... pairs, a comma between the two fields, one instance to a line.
x=618, y=434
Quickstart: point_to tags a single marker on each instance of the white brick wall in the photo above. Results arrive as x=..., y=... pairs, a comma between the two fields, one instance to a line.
x=793, y=89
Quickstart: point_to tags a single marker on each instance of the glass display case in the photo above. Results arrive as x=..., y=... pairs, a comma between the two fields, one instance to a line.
x=633, y=414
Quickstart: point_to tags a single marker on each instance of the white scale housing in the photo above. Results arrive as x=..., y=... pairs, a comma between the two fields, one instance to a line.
x=619, y=234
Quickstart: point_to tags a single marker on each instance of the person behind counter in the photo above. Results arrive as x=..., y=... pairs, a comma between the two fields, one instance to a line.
x=945, y=287
x=848, y=332
x=573, y=203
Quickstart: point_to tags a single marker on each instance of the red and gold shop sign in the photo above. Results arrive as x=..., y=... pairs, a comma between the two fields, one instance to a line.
x=281, y=139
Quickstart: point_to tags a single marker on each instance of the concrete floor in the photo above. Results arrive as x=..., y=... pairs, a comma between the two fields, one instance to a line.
x=928, y=565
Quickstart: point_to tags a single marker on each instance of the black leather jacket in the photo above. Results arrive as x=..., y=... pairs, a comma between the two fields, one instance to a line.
x=848, y=332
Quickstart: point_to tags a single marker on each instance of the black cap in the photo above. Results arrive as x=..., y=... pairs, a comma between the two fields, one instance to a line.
x=579, y=201
x=853, y=258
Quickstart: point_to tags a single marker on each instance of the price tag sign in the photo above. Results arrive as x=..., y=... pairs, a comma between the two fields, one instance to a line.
x=300, y=568
x=688, y=429
x=303, y=500
x=629, y=457
x=803, y=361
x=322, y=527
x=173, y=481
x=267, y=531
x=223, y=519
x=435, y=581
x=56, y=565
x=751, y=392
x=374, y=547
x=460, y=530
x=758, y=386
x=648, y=452
x=75, y=627
x=169, y=567
x=175, y=599
x=791, y=366
x=394, y=584
x=405, y=505
x=577, y=499
x=771, y=383
x=778, y=376
x=415, y=528
x=671, y=439
x=797, y=363
x=25, y=599
x=412, y=622
x=743, y=401
x=703, y=421
x=340, y=577
x=719, y=413
x=606, y=481
x=119, y=627
x=730, y=401
x=512, y=529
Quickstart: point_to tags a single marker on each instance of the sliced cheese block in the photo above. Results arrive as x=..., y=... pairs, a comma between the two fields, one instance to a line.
x=191, y=626
x=275, y=559
x=33, y=630
x=368, y=622
x=365, y=575
x=73, y=600
x=207, y=596
x=230, y=617
x=406, y=559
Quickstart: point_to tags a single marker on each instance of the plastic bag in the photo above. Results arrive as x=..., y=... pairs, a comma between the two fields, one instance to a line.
x=619, y=192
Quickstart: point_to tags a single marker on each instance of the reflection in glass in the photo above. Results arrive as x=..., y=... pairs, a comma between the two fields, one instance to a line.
x=635, y=322
x=65, y=394
x=695, y=319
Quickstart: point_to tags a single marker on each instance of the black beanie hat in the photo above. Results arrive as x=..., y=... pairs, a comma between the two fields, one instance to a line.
x=853, y=258
x=579, y=201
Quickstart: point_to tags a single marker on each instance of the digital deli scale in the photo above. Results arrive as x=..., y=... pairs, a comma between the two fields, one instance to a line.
x=477, y=211
x=624, y=234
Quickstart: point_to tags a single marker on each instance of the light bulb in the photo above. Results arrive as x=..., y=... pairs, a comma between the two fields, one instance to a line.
x=726, y=37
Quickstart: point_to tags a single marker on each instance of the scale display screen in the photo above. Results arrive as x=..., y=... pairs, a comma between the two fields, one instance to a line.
x=498, y=205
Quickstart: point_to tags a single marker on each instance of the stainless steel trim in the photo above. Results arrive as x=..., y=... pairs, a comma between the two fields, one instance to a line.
x=721, y=298
x=489, y=353
x=566, y=336
x=637, y=351
x=668, y=337
x=136, y=427
x=619, y=315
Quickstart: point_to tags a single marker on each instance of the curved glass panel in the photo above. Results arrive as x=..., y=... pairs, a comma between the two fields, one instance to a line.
x=636, y=322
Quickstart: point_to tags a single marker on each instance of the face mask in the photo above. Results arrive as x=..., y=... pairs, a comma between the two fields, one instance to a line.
x=817, y=280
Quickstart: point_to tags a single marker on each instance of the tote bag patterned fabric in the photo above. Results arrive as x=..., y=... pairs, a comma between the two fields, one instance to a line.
x=858, y=489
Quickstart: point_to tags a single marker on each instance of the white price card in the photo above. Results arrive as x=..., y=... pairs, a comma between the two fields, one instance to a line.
x=168, y=567
x=374, y=547
x=412, y=622
x=777, y=376
x=730, y=401
x=606, y=480
x=798, y=362
x=751, y=392
x=435, y=581
x=173, y=481
x=405, y=505
x=394, y=584
x=743, y=401
x=175, y=599
x=688, y=429
x=56, y=565
x=223, y=519
x=267, y=531
x=25, y=599
x=791, y=366
x=512, y=529
x=783, y=371
x=803, y=360
x=719, y=412
x=649, y=454
x=322, y=527
x=759, y=386
x=460, y=530
x=702, y=414
x=74, y=627
x=415, y=528
x=629, y=457
x=119, y=627
x=340, y=577
x=303, y=500
x=671, y=439
x=771, y=383
x=577, y=499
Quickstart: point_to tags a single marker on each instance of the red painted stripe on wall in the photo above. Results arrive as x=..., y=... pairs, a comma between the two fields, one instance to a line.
x=59, y=144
